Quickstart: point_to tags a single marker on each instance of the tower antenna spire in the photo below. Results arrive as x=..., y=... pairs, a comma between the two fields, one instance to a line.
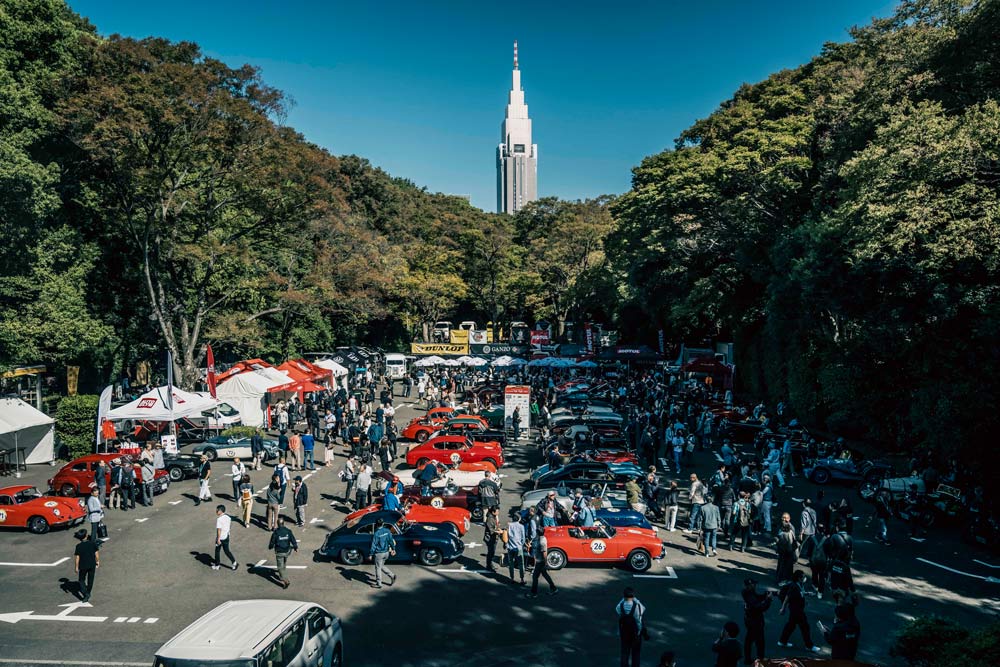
x=515, y=54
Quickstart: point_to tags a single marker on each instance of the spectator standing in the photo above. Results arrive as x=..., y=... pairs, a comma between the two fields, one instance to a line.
x=515, y=547
x=708, y=521
x=673, y=501
x=491, y=535
x=348, y=475
x=95, y=513
x=273, y=498
x=845, y=634
x=295, y=451
x=222, y=525
x=86, y=560
x=631, y=628
x=237, y=471
x=204, y=474
x=300, y=499
x=766, y=502
x=148, y=475
x=257, y=449
x=787, y=547
x=696, y=492
x=283, y=543
x=489, y=492
x=362, y=492
x=281, y=471
x=742, y=518
x=246, y=500
x=101, y=482
x=807, y=528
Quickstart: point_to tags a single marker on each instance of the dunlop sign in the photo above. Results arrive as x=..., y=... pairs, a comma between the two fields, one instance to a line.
x=438, y=348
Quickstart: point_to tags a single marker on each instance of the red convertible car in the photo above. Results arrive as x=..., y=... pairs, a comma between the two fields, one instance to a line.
x=454, y=449
x=417, y=513
x=637, y=547
x=24, y=507
x=75, y=478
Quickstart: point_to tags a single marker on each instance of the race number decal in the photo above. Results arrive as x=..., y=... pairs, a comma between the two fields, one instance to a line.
x=437, y=502
x=230, y=453
x=51, y=503
x=456, y=457
x=3, y=516
x=598, y=546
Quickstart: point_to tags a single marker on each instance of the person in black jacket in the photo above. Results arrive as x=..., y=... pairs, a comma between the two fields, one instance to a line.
x=283, y=542
x=300, y=498
x=845, y=634
x=727, y=646
x=754, y=606
x=794, y=602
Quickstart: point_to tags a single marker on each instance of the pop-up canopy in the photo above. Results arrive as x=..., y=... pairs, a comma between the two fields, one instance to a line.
x=153, y=406
x=26, y=431
x=331, y=365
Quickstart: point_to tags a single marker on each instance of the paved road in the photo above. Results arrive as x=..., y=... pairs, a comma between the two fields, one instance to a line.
x=155, y=579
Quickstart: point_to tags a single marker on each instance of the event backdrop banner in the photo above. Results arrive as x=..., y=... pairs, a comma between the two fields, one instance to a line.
x=438, y=348
x=500, y=348
x=459, y=337
x=478, y=337
x=517, y=396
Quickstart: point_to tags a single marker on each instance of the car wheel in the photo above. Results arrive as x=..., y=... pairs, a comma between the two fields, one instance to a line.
x=176, y=474
x=868, y=489
x=67, y=490
x=210, y=454
x=430, y=556
x=477, y=513
x=338, y=656
x=422, y=436
x=492, y=462
x=421, y=462
x=821, y=475
x=639, y=560
x=555, y=559
x=351, y=557
x=38, y=525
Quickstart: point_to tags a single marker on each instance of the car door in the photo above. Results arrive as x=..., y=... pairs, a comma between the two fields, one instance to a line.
x=7, y=511
x=288, y=649
x=405, y=548
x=319, y=627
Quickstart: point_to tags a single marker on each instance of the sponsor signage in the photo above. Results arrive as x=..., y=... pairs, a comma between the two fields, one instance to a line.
x=540, y=337
x=589, y=338
x=519, y=397
x=500, y=349
x=459, y=337
x=438, y=348
x=478, y=337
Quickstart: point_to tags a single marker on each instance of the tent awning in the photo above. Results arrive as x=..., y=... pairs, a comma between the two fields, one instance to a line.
x=153, y=406
x=333, y=366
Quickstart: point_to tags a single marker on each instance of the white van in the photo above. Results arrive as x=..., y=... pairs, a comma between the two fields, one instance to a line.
x=257, y=633
x=228, y=416
x=395, y=366
x=468, y=325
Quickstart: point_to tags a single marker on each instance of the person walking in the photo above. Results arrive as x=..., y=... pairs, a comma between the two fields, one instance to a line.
x=807, y=528
x=283, y=543
x=348, y=475
x=883, y=512
x=273, y=498
x=86, y=560
x=295, y=451
x=257, y=449
x=696, y=493
x=794, y=602
x=515, y=547
x=204, y=475
x=539, y=550
x=845, y=634
x=245, y=491
x=818, y=561
x=631, y=628
x=742, y=518
x=382, y=548
x=787, y=548
x=223, y=523
x=101, y=482
x=727, y=646
x=300, y=498
x=754, y=607
x=148, y=475
x=766, y=503
x=709, y=522
x=673, y=501
x=95, y=514
x=491, y=535
x=308, y=447
x=237, y=472
x=283, y=475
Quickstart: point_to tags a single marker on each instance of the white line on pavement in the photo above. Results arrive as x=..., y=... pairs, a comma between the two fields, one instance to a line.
x=918, y=539
x=120, y=619
x=175, y=502
x=985, y=563
x=992, y=580
x=151, y=620
x=463, y=570
x=58, y=562
x=142, y=520
x=316, y=520
x=473, y=544
x=671, y=574
x=260, y=564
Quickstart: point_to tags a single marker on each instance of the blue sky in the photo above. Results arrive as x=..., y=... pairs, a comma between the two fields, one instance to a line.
x=419, y=87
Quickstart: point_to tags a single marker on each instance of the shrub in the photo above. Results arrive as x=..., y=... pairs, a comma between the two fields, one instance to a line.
x=76, y=425
x=242, y=431
x=932, y=641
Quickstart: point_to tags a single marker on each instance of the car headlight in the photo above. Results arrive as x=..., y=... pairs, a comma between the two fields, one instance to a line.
x=56, y=513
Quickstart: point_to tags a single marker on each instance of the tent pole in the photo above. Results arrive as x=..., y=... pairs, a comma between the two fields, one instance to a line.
x=38, y=392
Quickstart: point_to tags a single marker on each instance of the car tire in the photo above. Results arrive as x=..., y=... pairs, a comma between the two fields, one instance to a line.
x=821, y=476
x=38, y=525
x=555, y=559
x=430, y=556
x=351, y=557
x=640, y=560
x=210, y=454
x=477, y=513
x=422, y=436
x=422, y=462
x=867, y=489
x=492, y=462
x=176, y=474
x=67, y=490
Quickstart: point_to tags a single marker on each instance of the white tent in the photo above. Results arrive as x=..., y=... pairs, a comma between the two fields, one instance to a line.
x=246, y=392
x=331, y=365
x=153, y=406
x=26, y=432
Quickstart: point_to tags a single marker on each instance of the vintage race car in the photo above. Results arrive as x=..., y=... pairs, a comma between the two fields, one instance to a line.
x=590, y=475
x=455, y=517
x=462, y=478
x=610, y=507
x=621, y=468
x=23, y=506
x=636, y=547
x=421, y=428
x=474, y=428
x=454, y=449
x=837, y=469
x=427, y=544
x=76, y=477
x=227, y=447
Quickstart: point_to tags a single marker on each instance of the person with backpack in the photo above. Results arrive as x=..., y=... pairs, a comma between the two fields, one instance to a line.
x=794, y=602
x=631, y=627
x=128, y=484
x=787, y=548
x=283, y=543
x=246, y=499
x=742, y=518
x=383, y=546
x=148, y=475
x=116, y=500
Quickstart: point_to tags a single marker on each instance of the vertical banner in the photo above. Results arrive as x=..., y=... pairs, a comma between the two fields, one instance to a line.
x=588, y=332
x=518, y=396
x=170, y=384
x=211, y=371
x=72, y=380
x=103, y=406
x=661, y=337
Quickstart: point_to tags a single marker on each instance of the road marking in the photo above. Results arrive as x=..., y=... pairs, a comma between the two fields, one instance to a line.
x=986, y=564
x=64, y=615
x=919, y=539
x=799, y=500
x=120, y=619
x=464, y=570
x=992, y=580
x=151, y=620
x=260, y=564
x=671, y=574
x=58, y=562
x=142, y=520
x=316, y=520
x=134, y=619
x=473, y=544
x=176, y=502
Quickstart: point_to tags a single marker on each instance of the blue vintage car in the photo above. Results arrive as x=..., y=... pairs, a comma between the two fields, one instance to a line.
x=839, y=469
x=427, y=544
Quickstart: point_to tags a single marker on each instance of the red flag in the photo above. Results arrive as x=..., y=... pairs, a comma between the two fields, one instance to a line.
x=211, y=372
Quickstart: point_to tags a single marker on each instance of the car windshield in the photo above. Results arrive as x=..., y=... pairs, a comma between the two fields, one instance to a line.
x=26, y=495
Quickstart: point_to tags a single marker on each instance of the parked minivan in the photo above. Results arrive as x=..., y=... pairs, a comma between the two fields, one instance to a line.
x=257, y=633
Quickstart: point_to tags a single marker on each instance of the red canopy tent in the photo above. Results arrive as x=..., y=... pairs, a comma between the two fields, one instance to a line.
x=302, y=370
x=242, y=367
x=300, y=388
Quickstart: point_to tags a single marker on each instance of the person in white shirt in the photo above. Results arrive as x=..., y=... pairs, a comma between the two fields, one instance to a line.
x=238, y=470
x=630, y=613
x=222, y=524
x=352, y=405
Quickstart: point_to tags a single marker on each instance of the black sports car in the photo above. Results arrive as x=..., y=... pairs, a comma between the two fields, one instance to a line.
x=587, y=474
x=428, y=544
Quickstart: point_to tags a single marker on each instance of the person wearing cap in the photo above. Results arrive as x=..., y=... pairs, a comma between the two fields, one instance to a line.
x=390, y=501
x=631, y=628
x=633, y=494
x=547, y=509
x=86, y=560
x=300, y=498
x=754, y=607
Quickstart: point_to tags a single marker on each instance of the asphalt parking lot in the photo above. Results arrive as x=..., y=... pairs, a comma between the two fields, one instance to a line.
x=155, y=579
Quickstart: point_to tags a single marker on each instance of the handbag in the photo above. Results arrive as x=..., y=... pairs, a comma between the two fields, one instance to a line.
x=701, y=543
x=102, y=531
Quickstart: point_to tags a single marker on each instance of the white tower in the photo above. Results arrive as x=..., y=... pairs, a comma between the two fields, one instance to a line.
x=517, y=157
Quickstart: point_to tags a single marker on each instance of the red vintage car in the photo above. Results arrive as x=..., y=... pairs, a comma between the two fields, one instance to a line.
x=417, y=513
x=23, y=506
x=447, y=496
x=454, y=449
x=76, y=477
x=637, y=547
x=421, y=428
